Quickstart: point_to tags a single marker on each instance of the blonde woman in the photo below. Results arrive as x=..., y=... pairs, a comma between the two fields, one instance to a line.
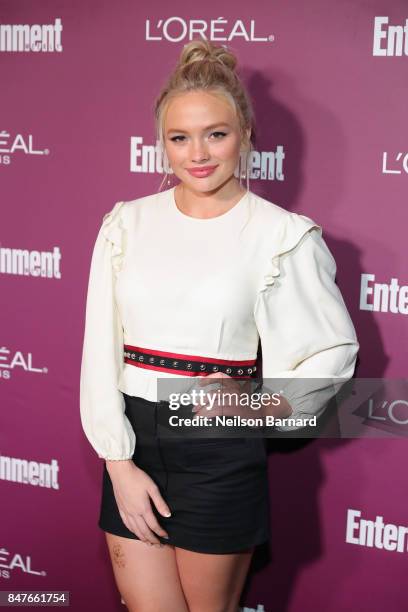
x=185, y=283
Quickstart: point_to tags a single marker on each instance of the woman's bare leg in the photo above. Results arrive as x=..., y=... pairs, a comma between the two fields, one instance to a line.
x=212, y=583
x=146, y=576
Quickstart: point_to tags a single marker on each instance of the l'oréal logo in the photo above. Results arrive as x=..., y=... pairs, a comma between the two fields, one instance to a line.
x=176, y=29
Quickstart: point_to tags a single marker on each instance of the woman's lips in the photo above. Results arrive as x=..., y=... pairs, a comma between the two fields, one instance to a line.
x=201, y=172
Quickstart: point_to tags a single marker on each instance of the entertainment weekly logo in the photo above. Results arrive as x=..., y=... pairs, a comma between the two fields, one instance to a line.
x=383, y=297
x=35, y=37
x=23, y=262
x=34, y=473
x=176, y=29
x=375, y=534
x=264, y=165
x=17, y=144
x=390, y=40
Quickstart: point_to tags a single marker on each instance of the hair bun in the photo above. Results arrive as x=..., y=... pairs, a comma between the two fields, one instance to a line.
x=206, y=51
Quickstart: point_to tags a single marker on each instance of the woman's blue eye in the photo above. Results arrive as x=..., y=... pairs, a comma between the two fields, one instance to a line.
x=177, y=138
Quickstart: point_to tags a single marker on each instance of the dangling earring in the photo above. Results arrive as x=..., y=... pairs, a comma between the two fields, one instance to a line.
x=166, y=165
x=240, y=170
x=248, y=170
x=166, y=178
x=243, y=172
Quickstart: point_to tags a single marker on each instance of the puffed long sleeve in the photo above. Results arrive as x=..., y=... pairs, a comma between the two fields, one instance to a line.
x=102, y=405
x=304, y=326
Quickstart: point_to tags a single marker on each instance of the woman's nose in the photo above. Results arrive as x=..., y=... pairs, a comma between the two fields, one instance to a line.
x=198, y=151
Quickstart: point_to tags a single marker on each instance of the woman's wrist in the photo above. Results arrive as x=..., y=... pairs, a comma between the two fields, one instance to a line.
x=118, y=465
x=282, y=410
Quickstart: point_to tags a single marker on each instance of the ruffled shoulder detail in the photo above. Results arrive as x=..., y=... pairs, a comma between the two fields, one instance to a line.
x=114, y=232
x=291, y=231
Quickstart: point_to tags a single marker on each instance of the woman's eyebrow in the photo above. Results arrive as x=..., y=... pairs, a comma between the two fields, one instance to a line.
x=209, y=127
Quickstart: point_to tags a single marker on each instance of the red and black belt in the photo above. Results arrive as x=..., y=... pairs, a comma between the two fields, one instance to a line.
x=187, y=365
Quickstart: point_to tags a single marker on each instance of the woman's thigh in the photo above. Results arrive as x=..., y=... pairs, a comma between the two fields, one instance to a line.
x=212, y=582
x=146, y=576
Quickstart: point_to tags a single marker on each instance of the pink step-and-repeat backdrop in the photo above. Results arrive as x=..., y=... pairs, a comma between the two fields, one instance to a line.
x=329, y=84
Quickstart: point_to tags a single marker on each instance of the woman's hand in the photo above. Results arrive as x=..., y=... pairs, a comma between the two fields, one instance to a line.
x=226, y=384
x=133, y=490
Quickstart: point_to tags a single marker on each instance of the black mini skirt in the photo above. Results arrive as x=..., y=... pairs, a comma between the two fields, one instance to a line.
x=216, y=488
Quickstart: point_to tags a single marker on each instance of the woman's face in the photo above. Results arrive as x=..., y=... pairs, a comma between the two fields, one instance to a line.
x=201, y=129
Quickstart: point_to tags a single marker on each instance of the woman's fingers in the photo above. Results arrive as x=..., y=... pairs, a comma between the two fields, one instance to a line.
x=123, y=516
x=147, y=535
x=216, y=410
x=154, y=492
x=129, y=522
x=153, y=524
x=135, y=506
x=138, y=524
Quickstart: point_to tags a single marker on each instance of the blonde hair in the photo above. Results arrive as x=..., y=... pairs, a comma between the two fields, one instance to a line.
x=202, y=65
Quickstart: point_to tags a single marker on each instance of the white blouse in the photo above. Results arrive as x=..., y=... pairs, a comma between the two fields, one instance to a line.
x=162, y=280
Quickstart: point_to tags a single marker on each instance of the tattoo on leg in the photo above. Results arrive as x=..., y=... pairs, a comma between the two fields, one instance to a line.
x=118, y=555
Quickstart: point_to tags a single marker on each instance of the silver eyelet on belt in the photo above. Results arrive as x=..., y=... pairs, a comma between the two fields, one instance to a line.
x=249, y=370
x=228, y=371
x=189, y=366
x=141, y=358
x=202, y=367
x=151, y=360
x=175, y=363
x=161, y=362
x=215, y=369
x=240, y=371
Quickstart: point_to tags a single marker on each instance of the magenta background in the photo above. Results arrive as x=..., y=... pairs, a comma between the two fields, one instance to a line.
x=335, y=108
